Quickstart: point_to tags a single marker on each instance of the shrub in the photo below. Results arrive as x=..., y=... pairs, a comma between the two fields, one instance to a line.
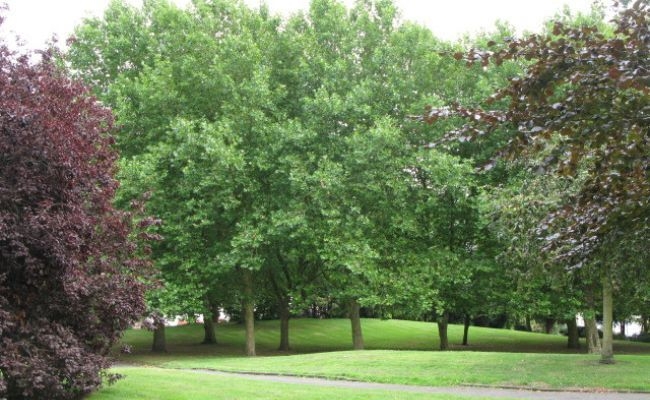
x=67, y=259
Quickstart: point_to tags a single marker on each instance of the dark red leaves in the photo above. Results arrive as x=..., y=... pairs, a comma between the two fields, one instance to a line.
x=67, y=266
x=592, y=91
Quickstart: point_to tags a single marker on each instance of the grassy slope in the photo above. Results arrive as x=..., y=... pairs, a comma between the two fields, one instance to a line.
x=312, y=335
x=499, y=357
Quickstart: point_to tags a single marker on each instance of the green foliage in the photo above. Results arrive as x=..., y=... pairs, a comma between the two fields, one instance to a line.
x=283, y=148
x=279, y=149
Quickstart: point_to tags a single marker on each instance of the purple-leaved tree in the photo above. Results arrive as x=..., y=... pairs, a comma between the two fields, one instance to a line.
x=69, y=261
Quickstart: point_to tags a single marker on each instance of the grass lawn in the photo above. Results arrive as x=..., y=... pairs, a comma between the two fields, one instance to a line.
x=155, y=384
x=396, y=354
x=314, y=335
x=539, y=371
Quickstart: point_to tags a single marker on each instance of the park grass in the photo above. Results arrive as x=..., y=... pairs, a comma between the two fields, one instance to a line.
x=529, y=370
x=145, y=383
x=398, y=352
x=327, y=335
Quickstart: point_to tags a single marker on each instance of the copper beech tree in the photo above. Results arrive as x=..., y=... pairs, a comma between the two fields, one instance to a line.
x=68, y=258
x=582, y=108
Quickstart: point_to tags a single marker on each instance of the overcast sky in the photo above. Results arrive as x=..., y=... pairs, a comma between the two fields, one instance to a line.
x=36, y=20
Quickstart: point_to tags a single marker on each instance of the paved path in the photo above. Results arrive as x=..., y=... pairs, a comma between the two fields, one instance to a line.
x=469, y=391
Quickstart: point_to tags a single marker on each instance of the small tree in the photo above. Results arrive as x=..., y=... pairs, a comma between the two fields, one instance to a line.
x=67, y=257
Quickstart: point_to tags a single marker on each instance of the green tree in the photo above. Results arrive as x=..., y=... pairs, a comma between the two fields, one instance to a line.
x=276, y=153
x=196, y=119
x=583, y=102
x=545, y=291
x=366, y=67
x=447, y=218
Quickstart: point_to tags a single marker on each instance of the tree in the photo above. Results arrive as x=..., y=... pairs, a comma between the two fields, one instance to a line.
x=169, y=299
x=543, y=291
x=69, y=261
x=243, y=129
x=368, y=73
x=196, y=121
x=583, y=106
x=447, y=216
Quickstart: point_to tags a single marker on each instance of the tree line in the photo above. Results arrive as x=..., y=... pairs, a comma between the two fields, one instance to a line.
x=343, y=162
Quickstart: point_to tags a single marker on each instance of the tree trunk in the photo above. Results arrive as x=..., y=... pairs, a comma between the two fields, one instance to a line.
x=607, y=352
x=529, y=325
x=355, y=319
x=284, y=324
x=591, y=333
x=209, y=336
x=467, y=322
x=622, y=324
x=249, y=313
x=572, y=334
x=443, y=323
x=549, y=323
x=249, y=321
x=159, y=342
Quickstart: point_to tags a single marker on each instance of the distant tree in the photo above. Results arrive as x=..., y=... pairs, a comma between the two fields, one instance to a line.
x=68, y=258
x=446, y=217
x=583, y=108
x=514, y=210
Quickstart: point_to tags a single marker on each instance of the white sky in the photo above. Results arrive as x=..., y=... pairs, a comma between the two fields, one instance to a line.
x=36, y=20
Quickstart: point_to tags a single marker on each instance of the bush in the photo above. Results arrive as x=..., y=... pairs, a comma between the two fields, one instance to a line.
x=67, y=266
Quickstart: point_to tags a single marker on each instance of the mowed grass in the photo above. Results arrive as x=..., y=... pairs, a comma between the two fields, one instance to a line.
x=401, y=352
x=530, y=370
x=146, y=383
x=327, y=335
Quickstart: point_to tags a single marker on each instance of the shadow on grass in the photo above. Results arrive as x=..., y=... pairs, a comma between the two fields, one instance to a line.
x=316, y=336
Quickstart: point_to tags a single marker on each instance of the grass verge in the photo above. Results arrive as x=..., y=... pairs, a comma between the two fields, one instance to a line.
x=535, y=371
x=143, y=383
x=397, y=355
